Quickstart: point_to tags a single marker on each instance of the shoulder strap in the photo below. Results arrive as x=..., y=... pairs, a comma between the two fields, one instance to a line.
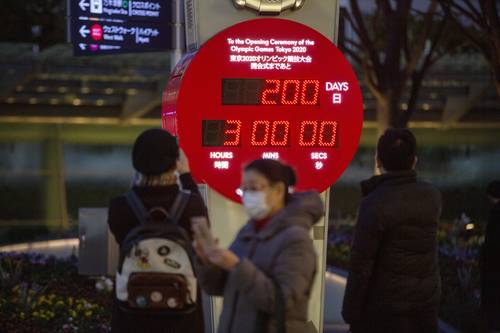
x=179, y=205
x=137, y=206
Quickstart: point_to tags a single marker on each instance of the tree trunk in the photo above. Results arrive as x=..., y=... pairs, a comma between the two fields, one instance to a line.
x=383, y=116
x=416, y=84
x=388, y=113
x=394, y=108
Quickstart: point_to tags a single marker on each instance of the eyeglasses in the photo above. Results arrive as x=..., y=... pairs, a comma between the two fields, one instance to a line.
x=241, y=190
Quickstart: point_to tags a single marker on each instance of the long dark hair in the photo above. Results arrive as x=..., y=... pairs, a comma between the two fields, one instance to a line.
x=275, y=172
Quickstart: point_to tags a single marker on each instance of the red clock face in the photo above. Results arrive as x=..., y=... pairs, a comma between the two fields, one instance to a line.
x=268, y=88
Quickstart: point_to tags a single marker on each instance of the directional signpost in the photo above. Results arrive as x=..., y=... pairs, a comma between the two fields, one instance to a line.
x=119, y=26
x=136, y=10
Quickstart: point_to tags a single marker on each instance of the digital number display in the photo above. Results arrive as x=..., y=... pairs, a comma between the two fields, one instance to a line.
x=267, y=133
x=220, y=133
x=265, y=88
x=270, y=92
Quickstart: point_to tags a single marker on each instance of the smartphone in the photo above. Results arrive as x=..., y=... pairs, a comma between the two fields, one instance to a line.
x=203, y=233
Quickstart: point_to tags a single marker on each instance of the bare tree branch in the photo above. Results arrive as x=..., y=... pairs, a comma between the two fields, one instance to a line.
x=472, y=37
x=429, y=60
x=362, y=47
x=472, y=8
x=354, y=43
x=382, y=51
x=386, y=6
x=482, y=29
x=364, y=36
x=370, y=82
x=395, y=29
x=419, y=48
x=492, y=17
x=354, y=55
x=463, y=11
x=352, y=23
x=417, y=78
x=406, y=48
x=435, y=40
x=376, y=20
x=416, y=84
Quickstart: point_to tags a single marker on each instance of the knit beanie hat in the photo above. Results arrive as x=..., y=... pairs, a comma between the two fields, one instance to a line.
x=155, y=152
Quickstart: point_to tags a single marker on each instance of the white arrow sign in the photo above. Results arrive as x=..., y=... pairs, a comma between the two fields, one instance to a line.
x=83, y=5
x=84, y=31
x=83, y=47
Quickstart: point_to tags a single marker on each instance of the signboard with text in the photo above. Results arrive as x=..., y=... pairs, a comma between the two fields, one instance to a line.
x=119, y=26
x=265, y=88
x=151, y=11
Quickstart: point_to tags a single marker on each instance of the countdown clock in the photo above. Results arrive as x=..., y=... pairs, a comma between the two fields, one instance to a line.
x=265, y=88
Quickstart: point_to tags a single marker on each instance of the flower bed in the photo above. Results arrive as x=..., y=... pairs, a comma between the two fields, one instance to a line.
x=45, y=294
x=459, y=247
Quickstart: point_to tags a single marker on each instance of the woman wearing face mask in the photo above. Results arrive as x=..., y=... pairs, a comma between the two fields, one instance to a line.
x=272, y=261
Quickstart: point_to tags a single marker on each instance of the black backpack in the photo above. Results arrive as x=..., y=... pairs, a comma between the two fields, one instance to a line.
x=155, y=272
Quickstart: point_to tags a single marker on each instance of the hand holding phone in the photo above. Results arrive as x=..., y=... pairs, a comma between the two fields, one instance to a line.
x=202, y=233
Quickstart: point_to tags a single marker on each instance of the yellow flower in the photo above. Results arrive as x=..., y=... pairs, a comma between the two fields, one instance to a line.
x=35, y=314
x=88, y=313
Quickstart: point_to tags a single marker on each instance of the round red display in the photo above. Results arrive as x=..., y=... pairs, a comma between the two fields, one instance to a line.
x=266, y=88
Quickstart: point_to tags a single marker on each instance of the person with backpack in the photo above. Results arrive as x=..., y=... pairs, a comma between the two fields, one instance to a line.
x=266, y=275
x=156, y=288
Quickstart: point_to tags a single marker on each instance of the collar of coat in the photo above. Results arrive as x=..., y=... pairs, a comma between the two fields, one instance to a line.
x=392, y=178
x=304, y=210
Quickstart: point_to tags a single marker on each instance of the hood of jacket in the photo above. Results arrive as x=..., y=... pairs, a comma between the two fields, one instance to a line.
x=392, y=178
x=304, y=209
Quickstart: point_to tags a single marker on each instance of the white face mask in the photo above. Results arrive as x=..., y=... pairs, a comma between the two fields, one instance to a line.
x=255, y=204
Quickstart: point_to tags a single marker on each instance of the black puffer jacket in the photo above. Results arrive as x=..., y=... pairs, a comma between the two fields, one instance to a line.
x=490, y=261
x=394, y=259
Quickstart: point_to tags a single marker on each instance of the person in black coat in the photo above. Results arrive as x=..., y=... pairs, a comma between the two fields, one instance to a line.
x=394, y=281
x=157, y=160
x=490, y=264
